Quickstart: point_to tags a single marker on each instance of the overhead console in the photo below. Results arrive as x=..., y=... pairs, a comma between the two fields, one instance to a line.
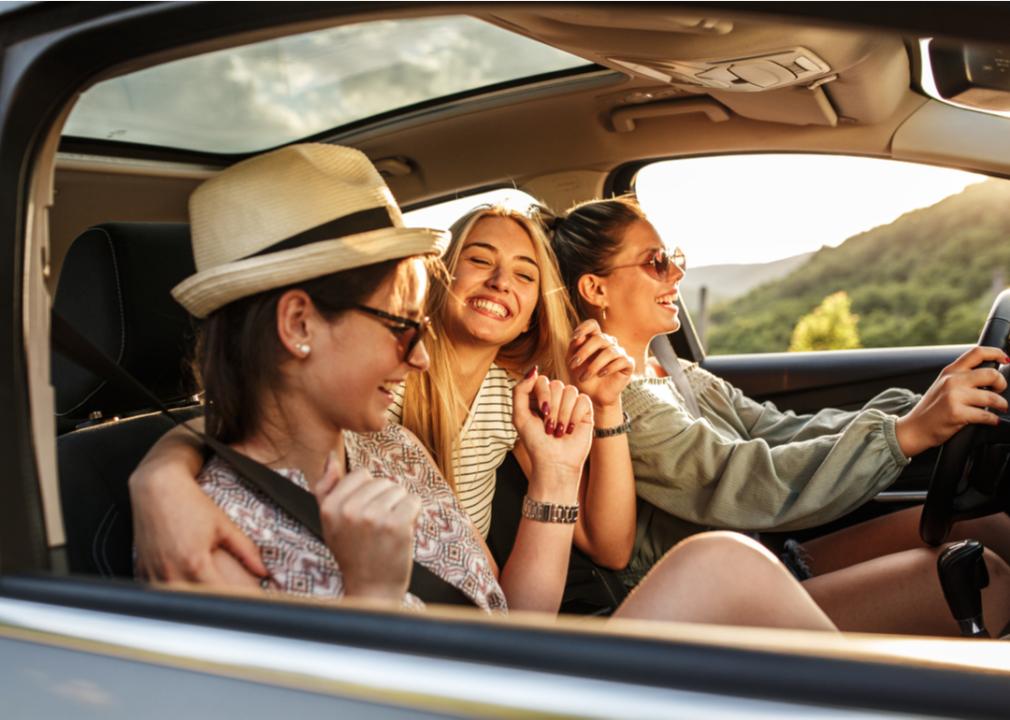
x=759, y=69
x=743, y=74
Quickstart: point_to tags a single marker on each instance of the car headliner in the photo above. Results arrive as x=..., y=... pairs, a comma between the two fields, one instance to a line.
x=557, y=139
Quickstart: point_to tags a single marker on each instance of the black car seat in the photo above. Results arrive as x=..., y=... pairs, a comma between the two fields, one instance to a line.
x=114, y=289
x=590, y=589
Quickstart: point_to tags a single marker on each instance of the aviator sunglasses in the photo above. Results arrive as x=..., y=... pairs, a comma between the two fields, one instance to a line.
x=408, y=332
x=661, y=264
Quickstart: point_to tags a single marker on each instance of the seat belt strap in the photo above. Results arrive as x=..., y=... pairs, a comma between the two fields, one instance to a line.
x=663, y=350
x=297, y=502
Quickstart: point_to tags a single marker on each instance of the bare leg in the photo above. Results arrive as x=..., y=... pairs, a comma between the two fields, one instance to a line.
x=901, y=593
x=723, y=578
x=897, y=532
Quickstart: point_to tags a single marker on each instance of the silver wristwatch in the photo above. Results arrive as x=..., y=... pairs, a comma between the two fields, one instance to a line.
x=623, y=428
x=549, y=512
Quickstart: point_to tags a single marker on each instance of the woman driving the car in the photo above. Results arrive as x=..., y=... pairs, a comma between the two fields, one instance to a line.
x=707, y=456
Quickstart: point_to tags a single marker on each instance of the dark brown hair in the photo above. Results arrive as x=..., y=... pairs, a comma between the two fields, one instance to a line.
x=586, y=238
x=238, y=352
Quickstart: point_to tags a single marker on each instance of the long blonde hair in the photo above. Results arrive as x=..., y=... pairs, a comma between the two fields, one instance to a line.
x=433, y=405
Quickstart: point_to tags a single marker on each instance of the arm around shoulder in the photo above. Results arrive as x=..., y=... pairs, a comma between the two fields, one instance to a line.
x=176, y=526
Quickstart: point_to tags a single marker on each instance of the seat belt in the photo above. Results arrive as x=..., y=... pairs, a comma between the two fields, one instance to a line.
x=297, y=502
x=663, y=350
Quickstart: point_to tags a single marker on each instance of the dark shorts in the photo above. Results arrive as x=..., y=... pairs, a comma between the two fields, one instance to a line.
x=794, y=557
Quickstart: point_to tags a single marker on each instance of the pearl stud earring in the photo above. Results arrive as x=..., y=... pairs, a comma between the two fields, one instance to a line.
x=303, y=348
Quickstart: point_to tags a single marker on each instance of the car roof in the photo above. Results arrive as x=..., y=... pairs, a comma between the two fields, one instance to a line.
x=560, y=137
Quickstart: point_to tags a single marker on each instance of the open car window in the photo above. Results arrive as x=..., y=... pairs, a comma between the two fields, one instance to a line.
x=262, y=95
x=812, y=252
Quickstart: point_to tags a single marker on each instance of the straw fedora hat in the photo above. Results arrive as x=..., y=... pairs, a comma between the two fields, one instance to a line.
x=291, y=215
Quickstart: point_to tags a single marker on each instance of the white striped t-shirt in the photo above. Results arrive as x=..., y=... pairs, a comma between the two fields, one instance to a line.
x=488, y=435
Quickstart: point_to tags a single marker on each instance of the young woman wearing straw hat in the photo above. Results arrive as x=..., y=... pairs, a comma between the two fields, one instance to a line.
x=312, y=290
x=300, y=363
x=504, y=312
x=500, y=258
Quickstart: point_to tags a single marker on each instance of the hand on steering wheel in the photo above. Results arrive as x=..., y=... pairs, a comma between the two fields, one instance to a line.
x=969, y=481
x=959, y=396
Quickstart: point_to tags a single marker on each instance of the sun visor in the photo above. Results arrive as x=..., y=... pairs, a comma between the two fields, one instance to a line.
x=946, y=135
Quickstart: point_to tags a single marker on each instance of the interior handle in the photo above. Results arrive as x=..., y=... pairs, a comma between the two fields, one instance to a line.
x=623, y=118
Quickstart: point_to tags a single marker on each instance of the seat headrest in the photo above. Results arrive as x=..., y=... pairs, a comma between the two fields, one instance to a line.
x=114, y=289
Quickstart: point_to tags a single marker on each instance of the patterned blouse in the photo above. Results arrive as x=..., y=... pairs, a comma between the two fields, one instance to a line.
x=301, y=564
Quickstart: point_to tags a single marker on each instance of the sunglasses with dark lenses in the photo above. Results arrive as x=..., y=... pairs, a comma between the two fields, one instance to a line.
x=661, y=264
x=408, y=332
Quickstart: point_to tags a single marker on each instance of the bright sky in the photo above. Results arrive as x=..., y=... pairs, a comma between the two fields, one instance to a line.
x=758, y=208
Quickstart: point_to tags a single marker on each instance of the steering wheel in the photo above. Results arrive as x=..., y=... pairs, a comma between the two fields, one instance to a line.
x=968, y=478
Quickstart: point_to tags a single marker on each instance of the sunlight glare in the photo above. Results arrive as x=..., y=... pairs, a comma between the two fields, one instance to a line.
x=759, y=208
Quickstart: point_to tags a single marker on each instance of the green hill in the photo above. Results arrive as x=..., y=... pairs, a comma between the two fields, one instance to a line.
x=927, y=278
x=725, y=282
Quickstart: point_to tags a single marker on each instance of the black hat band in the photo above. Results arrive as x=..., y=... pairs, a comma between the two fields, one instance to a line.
x=360, y=222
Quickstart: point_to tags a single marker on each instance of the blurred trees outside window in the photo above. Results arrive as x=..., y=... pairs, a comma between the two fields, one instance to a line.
x=830, y=326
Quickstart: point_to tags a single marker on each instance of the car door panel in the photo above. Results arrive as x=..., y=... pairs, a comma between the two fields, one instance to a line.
x=847, y=379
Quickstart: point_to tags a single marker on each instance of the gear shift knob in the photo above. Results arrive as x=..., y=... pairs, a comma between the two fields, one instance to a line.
x=963, y=574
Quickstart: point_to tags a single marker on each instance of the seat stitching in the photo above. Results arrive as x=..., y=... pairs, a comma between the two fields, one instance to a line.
x=98, y=554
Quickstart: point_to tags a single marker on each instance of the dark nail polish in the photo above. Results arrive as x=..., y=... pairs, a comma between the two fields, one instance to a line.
x=559, y=430
x=571, y=428
x=549, y=426
x=531, y=372
x=545, y=410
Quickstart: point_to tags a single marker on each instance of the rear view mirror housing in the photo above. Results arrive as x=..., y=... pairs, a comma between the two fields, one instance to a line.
x=971, y=75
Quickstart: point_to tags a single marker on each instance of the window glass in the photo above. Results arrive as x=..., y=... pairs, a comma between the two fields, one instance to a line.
x=442, y=215
x=804, y=252
x=261, y=95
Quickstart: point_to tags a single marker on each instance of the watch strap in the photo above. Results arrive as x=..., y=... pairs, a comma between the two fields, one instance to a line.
x=622, y=429
x=549, y=512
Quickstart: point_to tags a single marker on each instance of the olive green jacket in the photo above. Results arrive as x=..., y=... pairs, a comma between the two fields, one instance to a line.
x=748, y=466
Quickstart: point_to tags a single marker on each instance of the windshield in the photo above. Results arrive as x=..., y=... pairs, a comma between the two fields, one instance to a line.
x=258, y=96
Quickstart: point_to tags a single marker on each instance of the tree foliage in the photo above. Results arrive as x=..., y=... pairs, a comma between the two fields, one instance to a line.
x=830, y=326
x=927, y=278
